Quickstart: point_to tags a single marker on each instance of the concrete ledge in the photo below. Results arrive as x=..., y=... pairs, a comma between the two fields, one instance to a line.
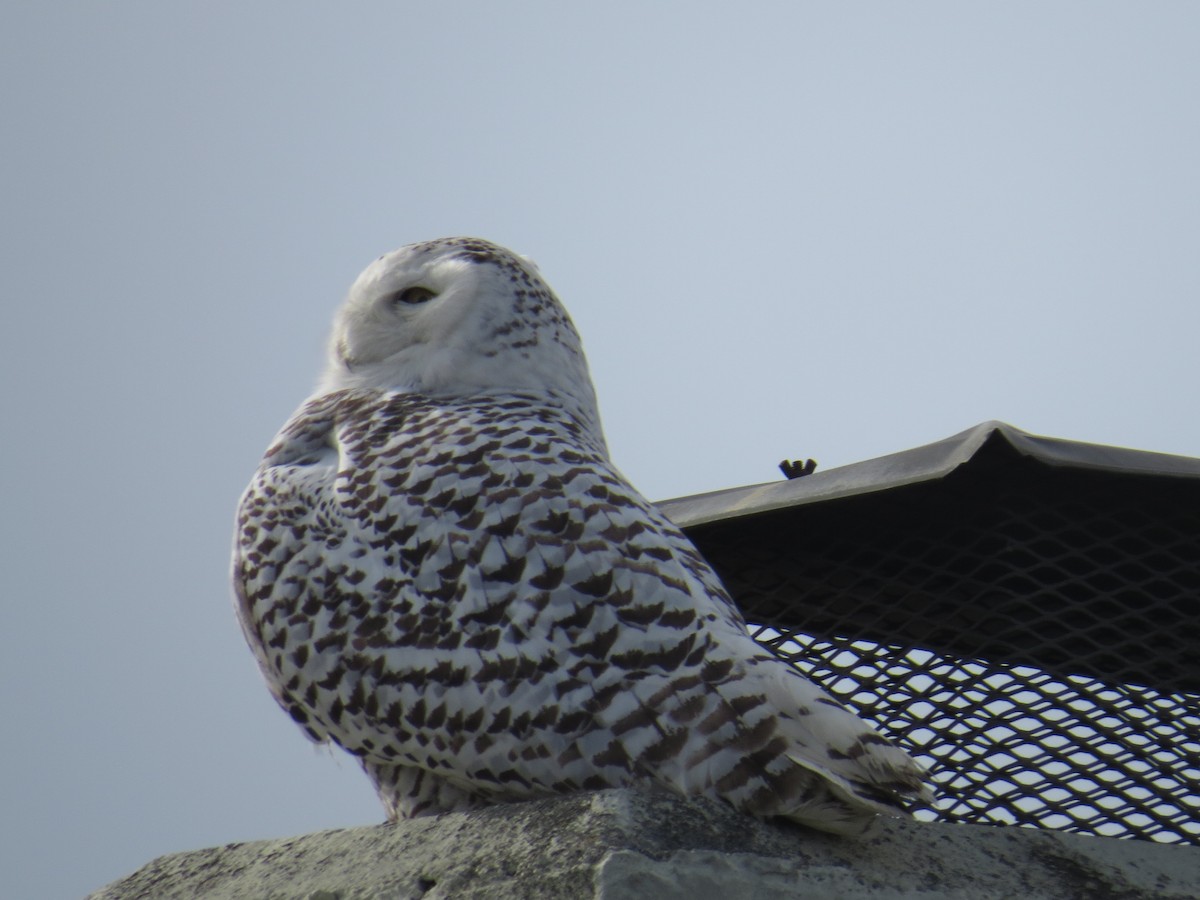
x=620, y=845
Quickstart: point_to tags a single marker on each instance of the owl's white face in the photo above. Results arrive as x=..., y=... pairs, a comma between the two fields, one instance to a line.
x=455, y=317
x=405, y=313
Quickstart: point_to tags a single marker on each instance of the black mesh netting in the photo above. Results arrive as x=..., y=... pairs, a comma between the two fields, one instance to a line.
x=1032, y=635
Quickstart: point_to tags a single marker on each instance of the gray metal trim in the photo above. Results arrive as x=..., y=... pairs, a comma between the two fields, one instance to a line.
x=926, y=463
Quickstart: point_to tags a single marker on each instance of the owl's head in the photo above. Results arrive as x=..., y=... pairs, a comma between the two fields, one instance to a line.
x=455, y=317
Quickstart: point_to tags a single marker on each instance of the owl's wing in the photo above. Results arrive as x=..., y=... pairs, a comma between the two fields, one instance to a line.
x=471, y=591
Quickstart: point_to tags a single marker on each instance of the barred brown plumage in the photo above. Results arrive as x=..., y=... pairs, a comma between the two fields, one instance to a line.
x=440, y=570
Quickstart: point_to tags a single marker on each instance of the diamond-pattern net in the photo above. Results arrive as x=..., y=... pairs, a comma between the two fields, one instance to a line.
x=1031, y=635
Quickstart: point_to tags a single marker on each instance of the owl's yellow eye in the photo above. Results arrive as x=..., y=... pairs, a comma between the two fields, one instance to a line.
x=413, y=296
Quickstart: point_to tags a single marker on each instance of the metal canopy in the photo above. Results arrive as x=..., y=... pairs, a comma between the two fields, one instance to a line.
x=1022, y=613
x=925, y=463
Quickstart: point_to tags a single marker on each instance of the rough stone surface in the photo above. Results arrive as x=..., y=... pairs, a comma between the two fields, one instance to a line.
x=620, y=845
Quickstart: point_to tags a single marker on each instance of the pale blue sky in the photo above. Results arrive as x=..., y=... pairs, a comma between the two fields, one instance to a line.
x=784, y=229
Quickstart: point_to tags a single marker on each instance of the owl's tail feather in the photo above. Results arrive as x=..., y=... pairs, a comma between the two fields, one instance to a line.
x=846, y=806
x=851, y=773
x=757, y=734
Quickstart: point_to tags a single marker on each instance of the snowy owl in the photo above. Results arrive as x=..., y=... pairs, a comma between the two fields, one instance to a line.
x=439, y=569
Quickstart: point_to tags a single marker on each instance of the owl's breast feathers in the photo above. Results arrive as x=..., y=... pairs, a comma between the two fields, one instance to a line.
x=467, y=587
x=390, y=539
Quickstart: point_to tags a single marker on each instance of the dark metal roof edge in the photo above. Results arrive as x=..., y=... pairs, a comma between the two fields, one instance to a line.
x=925, y=463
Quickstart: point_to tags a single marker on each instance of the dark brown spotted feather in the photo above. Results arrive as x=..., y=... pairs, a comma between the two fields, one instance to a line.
x=466, y=595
